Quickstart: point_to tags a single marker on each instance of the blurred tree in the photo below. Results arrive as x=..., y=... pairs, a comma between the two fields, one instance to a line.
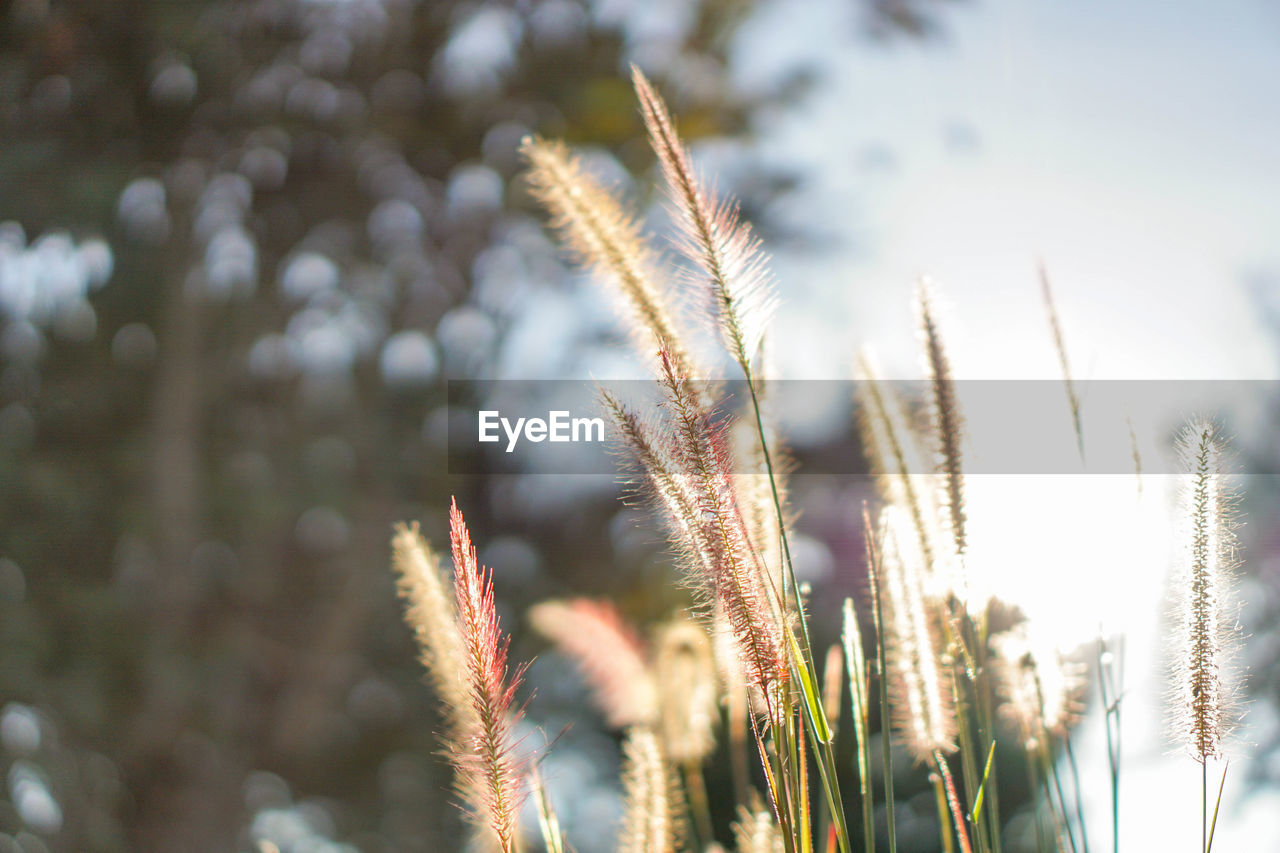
x=295, y=204
x=294, y=196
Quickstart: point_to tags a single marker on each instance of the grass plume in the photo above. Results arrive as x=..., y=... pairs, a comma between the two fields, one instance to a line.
x=650, y=797
x=713, y=236
x=431, y=613
x=925, y=716
x=609, y=654
x=1205, y=707
x=687, y=695
x=604, y=237
x=484, y=755
x=948, y=422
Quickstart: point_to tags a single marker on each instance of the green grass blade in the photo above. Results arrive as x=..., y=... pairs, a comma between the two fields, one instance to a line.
x=976, y=814
x=1216, y=806
x=873, y=571
x=856, y=665
x=809, y=691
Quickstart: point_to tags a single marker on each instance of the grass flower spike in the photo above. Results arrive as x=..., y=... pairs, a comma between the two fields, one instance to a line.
x=686, y=674
x=756, y=832
x=595, y=227
x=609, y=654
x=685, y=464
x=713, y=236
x=947, y=420
x=926, y=718
x=650, y=795
x=1205, y=707
x=485, y=755
x=1040, y=691
x=431, y=613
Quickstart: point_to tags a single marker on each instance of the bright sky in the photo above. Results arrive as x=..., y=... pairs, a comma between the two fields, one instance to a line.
x=1135, y=148
x=1136, y=151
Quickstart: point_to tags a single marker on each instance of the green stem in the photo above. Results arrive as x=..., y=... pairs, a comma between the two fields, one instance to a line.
x=1075, y=780
x=1041, y=844
x=830, y=784
x=881, y=669
x=855, y=665
x=1113, y=742
x=957, y=813
x=1051, y=772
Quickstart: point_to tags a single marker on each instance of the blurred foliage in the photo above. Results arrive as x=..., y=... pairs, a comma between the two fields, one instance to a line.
x=309, y=209
x=195, y=495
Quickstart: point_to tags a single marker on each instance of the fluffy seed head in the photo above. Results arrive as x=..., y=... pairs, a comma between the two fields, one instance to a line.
x=489, y=770
x=947, y=420
x=729, y=258
x=889, y=438
x=1205, y=705
x=684, y=460
x=608, y=652
x=650, y=795
x=432, y=615
x=687, y=691
x=1039, y=689
x=594, y=226
x=924, y=710
x=756, y=832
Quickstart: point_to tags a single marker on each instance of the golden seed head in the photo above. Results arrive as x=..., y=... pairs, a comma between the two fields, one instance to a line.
x=687, y=691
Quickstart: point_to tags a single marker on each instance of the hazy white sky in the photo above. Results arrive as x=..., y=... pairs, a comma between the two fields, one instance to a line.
x=1134, y=147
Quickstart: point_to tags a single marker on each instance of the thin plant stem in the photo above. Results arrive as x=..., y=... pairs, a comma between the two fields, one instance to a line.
x=1075, y=780
x=802, y=774
x=953, y=801
x=986, y=739
x=1034, y=781
x=1051, y=773
x=1217, y=805
x=944, y=814
x=967, y=763
x=856, y=666
x=1046, y=742
x=695, y=785
x=826, y=763
x=1111, y=707
x=873, y=569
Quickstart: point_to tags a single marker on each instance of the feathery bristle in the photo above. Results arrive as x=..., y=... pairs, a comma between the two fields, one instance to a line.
x=650, y=796
x=609, y=654
x=925, y=712
x=687, y=691
x=739, y=580
x=1060, y=344
x=755, y=831
x=1206, y=705
x=1039, y=690
x=432, y=616
x=687, y=468
x=715, y=238
x=484, y=755
x=886, y=435
x=947, y=420
x=594, y=226
x=755, y=491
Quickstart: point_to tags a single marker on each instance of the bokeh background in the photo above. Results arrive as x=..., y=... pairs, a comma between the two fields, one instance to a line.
x=244, y=244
